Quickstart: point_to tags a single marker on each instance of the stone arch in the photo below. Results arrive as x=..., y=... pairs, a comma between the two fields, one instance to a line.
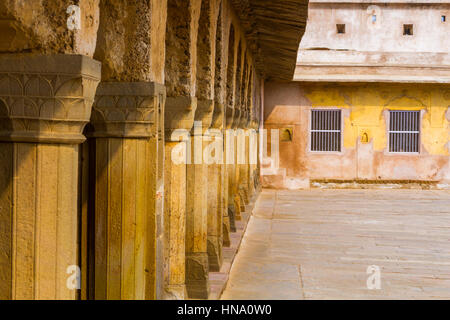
x=181, y=47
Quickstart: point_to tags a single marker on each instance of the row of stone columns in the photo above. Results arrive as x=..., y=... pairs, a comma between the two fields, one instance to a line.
x=143, y=226
x=141, y=251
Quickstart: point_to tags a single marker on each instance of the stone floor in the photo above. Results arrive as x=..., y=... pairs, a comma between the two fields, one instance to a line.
x=318, y=244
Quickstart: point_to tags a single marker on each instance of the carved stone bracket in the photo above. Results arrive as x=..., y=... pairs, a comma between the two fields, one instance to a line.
x=126, y=109
x=46, y=98
x=179, y=114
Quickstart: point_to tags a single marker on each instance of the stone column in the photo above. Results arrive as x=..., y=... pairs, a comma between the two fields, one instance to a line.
x=215, y=193
x=243, y=161
x=179, y=118
x=126, y=118
x=227, y=217
x=45, y=102
x=253, y=157
x=197, y=268
x=235, y=169
x=230, y=143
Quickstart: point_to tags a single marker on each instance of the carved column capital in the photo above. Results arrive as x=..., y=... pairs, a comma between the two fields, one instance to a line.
x=204, y=113
x=244, y=120
x=46, y=98
x=218, y=116
x=236, y=118
x=254, y=124
x=229, y=116
x=126, y=109
x=179, y=113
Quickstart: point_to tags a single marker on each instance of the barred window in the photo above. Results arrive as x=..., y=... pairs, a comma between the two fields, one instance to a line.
x=326, y=130
x=404, y=131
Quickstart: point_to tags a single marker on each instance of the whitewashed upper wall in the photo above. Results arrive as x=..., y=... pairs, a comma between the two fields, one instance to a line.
x=431, y=34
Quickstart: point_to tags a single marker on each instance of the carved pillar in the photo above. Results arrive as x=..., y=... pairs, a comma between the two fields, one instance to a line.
x=242, y=168
x=179, y=115
x=243, y=163
x=238, y=114
x=230, y=155
x=45, y=102
x=126, y=118
x=227, y=217
x=253, y=157
x=197, y=268
x=215, y=192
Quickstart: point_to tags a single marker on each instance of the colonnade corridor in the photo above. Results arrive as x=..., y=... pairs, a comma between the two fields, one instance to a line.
x=345, y=244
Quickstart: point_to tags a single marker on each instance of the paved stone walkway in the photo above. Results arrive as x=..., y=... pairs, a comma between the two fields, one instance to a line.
x=318, y=244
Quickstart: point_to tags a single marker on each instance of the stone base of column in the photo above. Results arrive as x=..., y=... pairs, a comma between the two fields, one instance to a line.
x=232, y=216
x=214, y=253
x=226, y=232
x=244, y=194
x=197, y=278
x=175, y=292
x=238, y=207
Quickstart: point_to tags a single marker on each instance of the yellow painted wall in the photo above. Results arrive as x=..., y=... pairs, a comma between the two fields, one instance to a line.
x=365, y=109
x=367, y=104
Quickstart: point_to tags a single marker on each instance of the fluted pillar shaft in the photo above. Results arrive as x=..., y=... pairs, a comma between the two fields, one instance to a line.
x=216, y=189
x=45, y=102
x=253, y=159
x=179, y=118
x=126, y=117
x=228, y=207
x=235, y=181
x=197, y=266
x=243, y=160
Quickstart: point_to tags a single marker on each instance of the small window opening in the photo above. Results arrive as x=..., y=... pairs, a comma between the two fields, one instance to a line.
x=443, y=18
x=286, y=134
x=340, y=28
x=374, y=18
x=408, y=29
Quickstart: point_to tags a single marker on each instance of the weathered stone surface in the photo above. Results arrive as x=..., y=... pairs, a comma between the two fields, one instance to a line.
x=129, y=43
x=40, y=26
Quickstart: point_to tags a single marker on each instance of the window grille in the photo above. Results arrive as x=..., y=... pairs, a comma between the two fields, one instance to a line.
x=404, y=131
x=326, y=130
